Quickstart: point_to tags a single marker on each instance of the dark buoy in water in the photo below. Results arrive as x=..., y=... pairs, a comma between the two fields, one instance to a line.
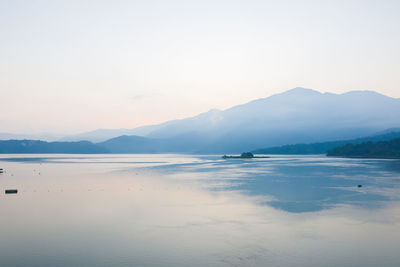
x=11, y=191
x=359, y=185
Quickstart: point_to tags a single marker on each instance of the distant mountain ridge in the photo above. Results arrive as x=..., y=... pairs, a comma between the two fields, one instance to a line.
x=102, y=135
x=138, y=144
x=324, y=147
x=383, y=149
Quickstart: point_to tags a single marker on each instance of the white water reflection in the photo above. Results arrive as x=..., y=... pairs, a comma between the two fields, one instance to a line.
x=176, y=210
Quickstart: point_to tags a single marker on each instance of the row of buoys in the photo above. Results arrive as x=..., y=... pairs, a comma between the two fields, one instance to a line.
x=15, y=191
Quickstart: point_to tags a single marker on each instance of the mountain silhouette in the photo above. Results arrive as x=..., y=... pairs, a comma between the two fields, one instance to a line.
x=296, y=116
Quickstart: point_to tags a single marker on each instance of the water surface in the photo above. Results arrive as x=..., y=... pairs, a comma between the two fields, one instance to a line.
x=195, y=210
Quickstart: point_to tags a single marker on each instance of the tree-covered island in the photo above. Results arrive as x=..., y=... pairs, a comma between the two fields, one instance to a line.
x=244, y=155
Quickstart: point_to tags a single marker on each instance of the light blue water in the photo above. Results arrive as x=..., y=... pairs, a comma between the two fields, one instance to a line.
x=194, y=210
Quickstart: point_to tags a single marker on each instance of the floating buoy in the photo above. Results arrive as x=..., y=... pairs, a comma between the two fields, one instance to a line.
x=11, y=191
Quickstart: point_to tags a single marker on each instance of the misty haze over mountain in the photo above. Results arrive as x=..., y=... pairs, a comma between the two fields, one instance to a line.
x=296, y=116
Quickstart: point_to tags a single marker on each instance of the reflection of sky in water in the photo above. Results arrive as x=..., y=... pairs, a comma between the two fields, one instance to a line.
x=182, y=210
x=298, y=184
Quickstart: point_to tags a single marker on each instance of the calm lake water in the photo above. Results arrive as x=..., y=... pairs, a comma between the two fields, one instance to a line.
x=195, y=210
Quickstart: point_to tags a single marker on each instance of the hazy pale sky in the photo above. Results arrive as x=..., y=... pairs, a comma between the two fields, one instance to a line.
x=71, y=66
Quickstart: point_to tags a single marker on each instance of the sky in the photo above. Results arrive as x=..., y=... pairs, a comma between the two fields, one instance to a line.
x=74, y=66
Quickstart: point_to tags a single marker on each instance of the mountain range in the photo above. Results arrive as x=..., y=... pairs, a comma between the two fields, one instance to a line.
x=296, y=116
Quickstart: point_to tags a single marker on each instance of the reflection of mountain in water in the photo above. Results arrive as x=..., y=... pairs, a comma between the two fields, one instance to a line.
x=302, y=184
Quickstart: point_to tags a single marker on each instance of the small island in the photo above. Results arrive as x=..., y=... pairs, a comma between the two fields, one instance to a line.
x=244, y=155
